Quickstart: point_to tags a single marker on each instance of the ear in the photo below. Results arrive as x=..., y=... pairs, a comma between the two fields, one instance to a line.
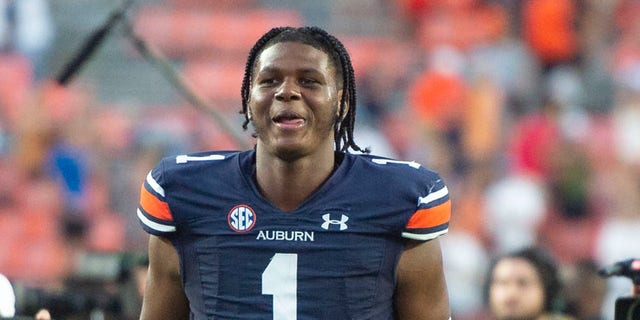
x=249, y=114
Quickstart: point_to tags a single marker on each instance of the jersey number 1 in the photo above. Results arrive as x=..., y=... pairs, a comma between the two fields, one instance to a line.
x=280, y=279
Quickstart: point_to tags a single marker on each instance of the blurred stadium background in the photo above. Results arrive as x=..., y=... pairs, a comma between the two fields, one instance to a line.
x=530, y=110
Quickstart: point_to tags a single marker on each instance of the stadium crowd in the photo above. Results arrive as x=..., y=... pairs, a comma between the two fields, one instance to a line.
x=529, y=109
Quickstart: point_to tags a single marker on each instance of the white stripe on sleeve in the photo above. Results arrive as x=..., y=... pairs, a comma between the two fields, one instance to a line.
x=434, y=196
x=156, y=187
x=154, y=225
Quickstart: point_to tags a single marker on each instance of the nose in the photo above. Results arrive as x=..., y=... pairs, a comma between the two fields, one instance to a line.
x=287, y=91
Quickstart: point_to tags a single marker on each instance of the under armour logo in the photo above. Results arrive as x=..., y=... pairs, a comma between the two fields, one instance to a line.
x=328, y=221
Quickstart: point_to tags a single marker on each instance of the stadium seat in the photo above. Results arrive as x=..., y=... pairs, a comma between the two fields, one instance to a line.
x=180, y=32
x=32, y=249
x=215, y=81
x=107, y=233
x=397, y=55
x=43, y=261
x=208, y=4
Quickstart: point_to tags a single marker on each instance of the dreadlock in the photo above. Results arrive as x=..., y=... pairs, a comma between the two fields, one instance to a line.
x=321, y=40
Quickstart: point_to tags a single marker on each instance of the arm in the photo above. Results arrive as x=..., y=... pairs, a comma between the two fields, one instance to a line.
x=421, y=290
x=164, y=296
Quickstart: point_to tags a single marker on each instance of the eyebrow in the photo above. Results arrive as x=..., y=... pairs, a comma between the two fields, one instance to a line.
x=303, y=70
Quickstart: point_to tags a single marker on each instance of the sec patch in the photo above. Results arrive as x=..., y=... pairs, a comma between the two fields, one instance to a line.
x=241, y=218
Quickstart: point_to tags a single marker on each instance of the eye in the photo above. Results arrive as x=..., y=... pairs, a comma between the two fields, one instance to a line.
x=267, y=81
x=308, y=81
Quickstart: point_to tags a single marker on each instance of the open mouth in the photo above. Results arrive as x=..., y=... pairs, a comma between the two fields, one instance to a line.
x=289, y=120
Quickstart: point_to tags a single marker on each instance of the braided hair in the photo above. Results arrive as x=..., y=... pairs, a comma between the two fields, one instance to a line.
x=339, y=57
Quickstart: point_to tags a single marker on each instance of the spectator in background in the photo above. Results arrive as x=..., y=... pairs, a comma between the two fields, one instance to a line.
x=524, y=284
x=7, y=298
x=43, y=314
x=26, y=27
x=585, y=290
x=549, y=30
x=436, y=99
x=465, y=262
x=516, y=205
x=618, y=237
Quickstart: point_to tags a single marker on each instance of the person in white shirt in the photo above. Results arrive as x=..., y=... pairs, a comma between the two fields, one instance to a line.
x=7, y=298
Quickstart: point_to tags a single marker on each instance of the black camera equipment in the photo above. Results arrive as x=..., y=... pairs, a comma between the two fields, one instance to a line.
x=99, y=289
x=626, y=308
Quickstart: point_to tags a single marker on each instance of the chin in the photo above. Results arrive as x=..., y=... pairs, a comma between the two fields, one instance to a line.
x=290, y=147
x=518, y=317
x=289, y=153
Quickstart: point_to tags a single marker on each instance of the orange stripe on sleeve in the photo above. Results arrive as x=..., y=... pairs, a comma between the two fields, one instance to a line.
x=158, y=209
x=431, y=217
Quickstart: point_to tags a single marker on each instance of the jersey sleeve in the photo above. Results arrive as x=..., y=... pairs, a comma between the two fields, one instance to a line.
x=153, y=212
x=431, y=218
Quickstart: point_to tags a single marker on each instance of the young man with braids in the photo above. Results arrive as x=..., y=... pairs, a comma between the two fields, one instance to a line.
x=297, y=228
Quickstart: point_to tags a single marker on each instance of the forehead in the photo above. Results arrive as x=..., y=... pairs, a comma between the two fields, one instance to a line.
x=515, y=268
x=293, y=55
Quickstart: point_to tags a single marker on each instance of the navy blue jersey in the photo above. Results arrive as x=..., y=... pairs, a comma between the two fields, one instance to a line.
x=334, y=257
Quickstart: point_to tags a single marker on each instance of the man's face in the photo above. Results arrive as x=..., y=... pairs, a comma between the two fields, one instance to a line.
x=516, y=292
x=294, y=100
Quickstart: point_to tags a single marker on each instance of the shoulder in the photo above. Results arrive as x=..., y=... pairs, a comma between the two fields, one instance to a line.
x=196, y=161
x=383, y=167
x=180, y=169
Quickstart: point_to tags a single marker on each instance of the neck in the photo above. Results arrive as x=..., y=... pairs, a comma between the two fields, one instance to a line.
x=288, y=183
